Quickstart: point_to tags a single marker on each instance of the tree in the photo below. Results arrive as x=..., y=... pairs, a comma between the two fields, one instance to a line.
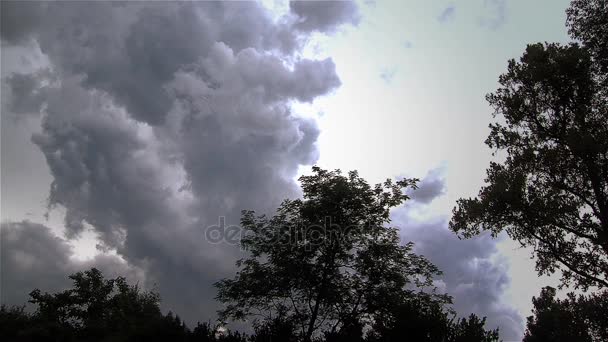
x=418, y=319
x=94, y=309
x=426, y=320
x=327, y=262
x=472, y=329
x=278, y=328
x=14, y=321
x=551, y=191
x=575, y=318
x=587, y=22
x=97, y=308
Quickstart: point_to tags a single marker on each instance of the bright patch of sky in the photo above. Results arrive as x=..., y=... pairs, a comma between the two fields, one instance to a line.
x=413, y=97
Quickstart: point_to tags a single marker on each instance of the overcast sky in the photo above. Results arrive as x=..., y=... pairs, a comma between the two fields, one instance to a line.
x=128, y=128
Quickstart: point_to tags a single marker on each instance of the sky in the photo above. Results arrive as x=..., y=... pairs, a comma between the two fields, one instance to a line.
x=127, y=128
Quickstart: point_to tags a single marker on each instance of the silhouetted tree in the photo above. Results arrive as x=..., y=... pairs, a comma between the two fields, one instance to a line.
x=418, y=319
x=98, y=309
x=15, y=322
x=278, y=328
x=94, y=309
x=551, y=191
x=329, y=261
x=205, y=332
x=421, y=319
x=594, y=308
x=554, y=320
x=575, y=318
x=471, y=329
x=587, y=22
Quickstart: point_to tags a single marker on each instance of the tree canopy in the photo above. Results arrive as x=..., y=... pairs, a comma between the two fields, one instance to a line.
x=99, y=309
x=575, y=318
x=330, y=266
x=549, y=188
x=327, y=260
x=94, y=309
x=587, y=22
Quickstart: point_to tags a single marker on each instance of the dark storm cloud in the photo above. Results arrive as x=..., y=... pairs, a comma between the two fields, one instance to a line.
x=19, y=19
x=473, y=273
x=158, y=118
x=124, y=51
x=29, y=93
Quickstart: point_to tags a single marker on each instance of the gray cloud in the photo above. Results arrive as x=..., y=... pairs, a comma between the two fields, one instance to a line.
x=121, y=49
x=30, y=93
x=158, y=118
x=473, y=272
x=19, y=20
x=323, y=16
x=431, y=187
x=447, y=14
x=33, y=257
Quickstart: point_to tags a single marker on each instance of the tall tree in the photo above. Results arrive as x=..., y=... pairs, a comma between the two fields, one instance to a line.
x=550, y=189
x=327, y=262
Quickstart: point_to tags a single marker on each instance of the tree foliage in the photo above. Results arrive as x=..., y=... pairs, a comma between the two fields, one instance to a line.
x=551, y=191
x=421, y=319
x=95, y=309
x=575, y=318
x=328, y=261
x=329, y=267
x=587, y=22
x=99, y=309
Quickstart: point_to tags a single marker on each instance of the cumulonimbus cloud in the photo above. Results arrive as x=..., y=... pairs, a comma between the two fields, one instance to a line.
x=158, y=118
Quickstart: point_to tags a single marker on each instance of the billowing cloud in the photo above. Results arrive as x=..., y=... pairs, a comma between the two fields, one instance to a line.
x=473, y=271
x=159, y=118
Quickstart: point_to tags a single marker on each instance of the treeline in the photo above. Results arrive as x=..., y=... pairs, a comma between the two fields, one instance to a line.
x=98, y=309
